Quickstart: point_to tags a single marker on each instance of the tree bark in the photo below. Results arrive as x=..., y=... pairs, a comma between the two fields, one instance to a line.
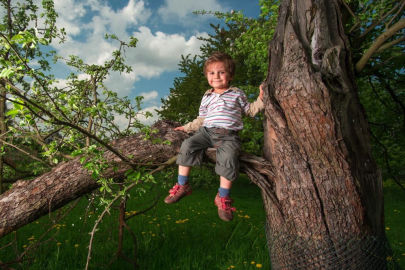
x=325, y=207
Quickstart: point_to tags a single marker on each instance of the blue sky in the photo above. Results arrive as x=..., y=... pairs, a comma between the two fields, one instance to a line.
x=165, y=29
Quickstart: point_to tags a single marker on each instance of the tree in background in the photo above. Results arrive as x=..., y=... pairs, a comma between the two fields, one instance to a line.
x=376, y=33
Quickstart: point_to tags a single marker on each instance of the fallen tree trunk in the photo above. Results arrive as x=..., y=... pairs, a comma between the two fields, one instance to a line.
x=28, y=200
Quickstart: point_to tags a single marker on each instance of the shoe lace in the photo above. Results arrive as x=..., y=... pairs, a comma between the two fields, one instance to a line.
x=226, y=204
x=174, y=190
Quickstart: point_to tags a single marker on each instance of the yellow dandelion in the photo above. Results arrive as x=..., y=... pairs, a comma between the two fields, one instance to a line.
x=232, y=266
x=259, y=265
x=24, y=246
x=252, y=262
x=180, y=221
x=387, y=228
x=76, y=245
x=246, y=216
x=58, y=244
x=32, y=238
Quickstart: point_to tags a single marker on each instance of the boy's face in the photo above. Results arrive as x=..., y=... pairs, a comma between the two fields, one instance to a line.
x=218, y=76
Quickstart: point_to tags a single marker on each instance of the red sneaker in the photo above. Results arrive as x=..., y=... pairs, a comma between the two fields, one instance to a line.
x=178, y=192
x=225, y=209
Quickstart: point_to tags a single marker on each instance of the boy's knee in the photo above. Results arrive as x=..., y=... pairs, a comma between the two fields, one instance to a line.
x=230, y=173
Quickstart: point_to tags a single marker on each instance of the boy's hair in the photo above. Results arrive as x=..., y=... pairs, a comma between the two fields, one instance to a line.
x=221, y=57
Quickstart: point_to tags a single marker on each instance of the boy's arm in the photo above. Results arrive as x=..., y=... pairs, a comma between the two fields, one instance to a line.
x=193, y=125
x=257, y=105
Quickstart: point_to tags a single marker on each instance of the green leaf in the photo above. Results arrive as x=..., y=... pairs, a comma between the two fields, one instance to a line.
x=12, y=112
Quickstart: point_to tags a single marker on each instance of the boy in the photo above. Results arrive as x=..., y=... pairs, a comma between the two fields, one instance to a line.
x=218, y=123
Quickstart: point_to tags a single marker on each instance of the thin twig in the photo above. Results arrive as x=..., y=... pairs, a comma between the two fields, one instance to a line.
x=24, y=152
x=107, y=208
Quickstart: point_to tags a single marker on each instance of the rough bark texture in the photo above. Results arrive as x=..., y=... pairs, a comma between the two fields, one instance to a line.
x=326, y=187
x=28, y=200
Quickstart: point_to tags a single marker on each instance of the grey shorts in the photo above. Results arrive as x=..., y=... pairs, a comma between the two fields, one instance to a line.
x=227, y=145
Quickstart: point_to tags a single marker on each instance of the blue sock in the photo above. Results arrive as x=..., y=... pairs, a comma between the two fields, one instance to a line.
x=182, y=180
x=223, y=192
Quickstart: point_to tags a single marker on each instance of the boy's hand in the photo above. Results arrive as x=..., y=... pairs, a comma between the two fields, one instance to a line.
x=261, y=91
x=179, y=128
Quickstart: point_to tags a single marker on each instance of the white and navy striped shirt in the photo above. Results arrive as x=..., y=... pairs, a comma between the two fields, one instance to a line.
x=224, y=110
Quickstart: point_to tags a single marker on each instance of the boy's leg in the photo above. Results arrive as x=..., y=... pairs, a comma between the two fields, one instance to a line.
x=184, y=172
x=227, y=167
x=191, y=153
x=223, y=201
x=224, y=187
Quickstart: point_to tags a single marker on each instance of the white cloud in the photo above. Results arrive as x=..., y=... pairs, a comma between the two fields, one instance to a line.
x=122, y=122
x=155, y=52
x=147, y=96
x=152, y=119
x=181, y=10
x=159, y=52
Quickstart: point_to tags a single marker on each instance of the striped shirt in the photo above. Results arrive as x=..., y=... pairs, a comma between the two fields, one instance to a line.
x=224, y=110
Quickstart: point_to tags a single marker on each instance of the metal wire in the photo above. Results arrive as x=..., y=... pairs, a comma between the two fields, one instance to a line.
x=356, y=253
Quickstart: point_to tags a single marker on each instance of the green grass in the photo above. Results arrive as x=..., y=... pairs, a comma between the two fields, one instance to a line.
x=394, y=201
x=186, y=235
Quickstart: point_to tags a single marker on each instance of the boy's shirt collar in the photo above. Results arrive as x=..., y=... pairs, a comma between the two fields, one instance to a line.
x=210, y=91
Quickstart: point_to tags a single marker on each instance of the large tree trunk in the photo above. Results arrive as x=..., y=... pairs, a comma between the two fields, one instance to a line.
x=325, y=204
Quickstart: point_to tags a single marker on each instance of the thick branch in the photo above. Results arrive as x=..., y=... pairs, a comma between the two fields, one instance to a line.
x=390, y=44
x=29, y=200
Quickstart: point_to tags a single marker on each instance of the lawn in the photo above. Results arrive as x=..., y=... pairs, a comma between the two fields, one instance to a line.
x=186, y=235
